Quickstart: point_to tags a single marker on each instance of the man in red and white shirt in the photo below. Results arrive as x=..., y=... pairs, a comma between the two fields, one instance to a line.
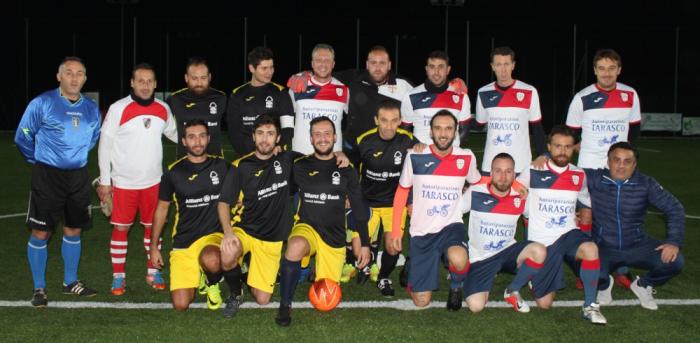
x=512, y=110
x=324, y=96
x=437, y=177
x=605, y=112
x=130, y=158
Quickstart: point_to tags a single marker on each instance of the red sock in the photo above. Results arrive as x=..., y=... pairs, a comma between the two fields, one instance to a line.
x=117, y=251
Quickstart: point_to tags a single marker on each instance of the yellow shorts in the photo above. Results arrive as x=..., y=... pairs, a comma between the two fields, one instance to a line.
x=184, y=263
x=380, y=216
x=329, y=260
x=264, y=260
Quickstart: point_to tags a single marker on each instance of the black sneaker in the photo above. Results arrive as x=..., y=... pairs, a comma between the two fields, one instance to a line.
x=79, y=288
x=363, y=275
x=454, y=300
x=403, y=276
x=39, y=298
x=385, y=287
x=232, y=306
x=284, y=317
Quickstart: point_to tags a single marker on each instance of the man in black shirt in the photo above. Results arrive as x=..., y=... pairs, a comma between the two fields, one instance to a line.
x=259, y=96
x=199, y=101
x=320, y=226
x=194, y=183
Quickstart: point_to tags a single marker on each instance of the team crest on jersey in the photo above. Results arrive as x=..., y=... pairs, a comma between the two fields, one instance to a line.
x=624, y=97
x=516, y=202
x=397, y=158
x=268, y=102
x=460, y=163
x=339, y=91
x=520, y=96
x=335, y=178
x=76, y=121
x=455, y=98
x=278, y=167
x=146, y=122
x=212, y=108
x=575, y=179
x=214, y=177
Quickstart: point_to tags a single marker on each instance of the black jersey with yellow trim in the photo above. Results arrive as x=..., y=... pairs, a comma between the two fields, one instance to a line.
x=208, y=107
x=246, y=103
x=381, y=163
x=195, y=188
x=263, y=188
x=323, y=188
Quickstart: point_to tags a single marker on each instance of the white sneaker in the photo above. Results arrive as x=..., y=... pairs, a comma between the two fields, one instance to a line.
x=517, y=301
x=592, y=314
x=605, y=295
x=645, y=295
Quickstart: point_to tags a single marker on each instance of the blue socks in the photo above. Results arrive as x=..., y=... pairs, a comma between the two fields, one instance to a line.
x=37, y=255
x=70, y=250
x=590, y=270
x=289, y=274
x=527, y=270
x=457, y=277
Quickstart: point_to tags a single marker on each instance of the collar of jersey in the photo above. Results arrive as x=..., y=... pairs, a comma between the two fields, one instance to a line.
x=446, y=157
x=488, y=187
x=556, y=172
x=67, y=101
x=498, y=88
x=430, y=87
x=603, y=90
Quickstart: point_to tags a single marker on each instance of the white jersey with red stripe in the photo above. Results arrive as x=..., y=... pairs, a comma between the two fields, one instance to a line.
x=508, y=114
x=130, y=154
x=554, y=193
x=419, y=106
x=492, y=220
x=604, y=118
x=330, y=100
x=437, y=184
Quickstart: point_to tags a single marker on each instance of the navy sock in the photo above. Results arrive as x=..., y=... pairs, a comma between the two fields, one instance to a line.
x=37, y=254
x=590, y=270
x=288, y=280
x=527, y=270
x=70, y=250
x=457, y=277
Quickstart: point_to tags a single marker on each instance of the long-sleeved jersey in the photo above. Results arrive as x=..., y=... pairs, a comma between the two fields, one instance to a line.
x=57, y=132
x=130, y=154
x=209, y=107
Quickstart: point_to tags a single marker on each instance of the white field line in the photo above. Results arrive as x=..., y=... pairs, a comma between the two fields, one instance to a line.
x=404, y=305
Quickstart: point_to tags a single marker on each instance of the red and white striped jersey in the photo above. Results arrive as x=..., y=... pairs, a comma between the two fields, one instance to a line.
x=130, y=154
x=419, y=105
x=437, y=187
x=508, y=114
x=604, y=118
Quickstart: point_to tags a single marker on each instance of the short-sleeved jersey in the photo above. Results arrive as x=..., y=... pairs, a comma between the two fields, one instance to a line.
x=492, y=220
x=604, y=118
x=263, y=186
x=508, y=114
x=208, y=107
x=246, y=103
x=323, y=188
x=554, y=194
x=195, y=188
x=330, y=100
x=381, y=164
x=420, y=105
x=437, y=184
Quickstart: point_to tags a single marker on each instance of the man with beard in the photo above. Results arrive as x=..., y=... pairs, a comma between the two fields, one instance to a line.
x=495, y=208
x=555, y=192
x=420, y=104
x=320, y=227
x=194, y=183
x=130, y=156
x=257, y=97
x=437, y=177
x=199, y=101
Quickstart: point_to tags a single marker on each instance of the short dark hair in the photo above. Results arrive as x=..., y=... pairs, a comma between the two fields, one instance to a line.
x=624, y=146
x=259, y=54
x=388, y=105
x=609, y=54
x=196, y=61
x=439, y=54
x=71, y=59
x=505, y=156
x=443, y=113
x=562, y=130
x=321, y=119
x=378, y=48
x=266, y=119
x=503, y=51
x=195, y=122
x=143, y=66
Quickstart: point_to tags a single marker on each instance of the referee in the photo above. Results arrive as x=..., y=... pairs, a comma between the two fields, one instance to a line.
x=55, y=134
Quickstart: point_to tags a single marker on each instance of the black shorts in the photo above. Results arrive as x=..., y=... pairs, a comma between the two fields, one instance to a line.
x=58, y=193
